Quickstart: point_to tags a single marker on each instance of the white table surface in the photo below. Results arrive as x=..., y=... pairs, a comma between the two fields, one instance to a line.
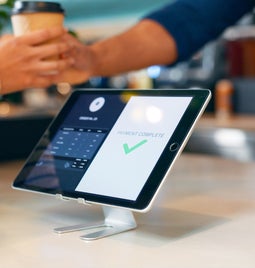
x=204, y=216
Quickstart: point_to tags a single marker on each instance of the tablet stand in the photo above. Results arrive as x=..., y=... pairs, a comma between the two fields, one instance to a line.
x=117, y=220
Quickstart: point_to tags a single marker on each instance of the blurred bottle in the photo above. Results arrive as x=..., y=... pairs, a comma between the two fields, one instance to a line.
x=224, y=90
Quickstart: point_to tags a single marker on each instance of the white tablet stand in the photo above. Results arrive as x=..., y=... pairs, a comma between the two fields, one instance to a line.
x=117, y=220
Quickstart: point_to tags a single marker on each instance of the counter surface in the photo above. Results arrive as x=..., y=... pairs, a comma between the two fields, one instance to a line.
x=204, y=216
x=244, y=122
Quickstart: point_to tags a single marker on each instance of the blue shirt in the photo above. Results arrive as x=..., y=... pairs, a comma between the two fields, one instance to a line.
x=192, y=23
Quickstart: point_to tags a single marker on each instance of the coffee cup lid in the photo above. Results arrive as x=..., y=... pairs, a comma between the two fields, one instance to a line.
x=36, y=6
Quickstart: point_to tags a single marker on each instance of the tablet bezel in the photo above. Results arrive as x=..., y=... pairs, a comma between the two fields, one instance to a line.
x=200, y=99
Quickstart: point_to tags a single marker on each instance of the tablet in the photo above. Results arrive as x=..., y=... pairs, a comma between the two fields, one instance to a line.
x=113, y=147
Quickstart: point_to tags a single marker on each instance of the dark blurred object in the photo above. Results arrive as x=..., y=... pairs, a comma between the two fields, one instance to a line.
x=240, y=47
x=244, y=95
x=234, y=58
x=240, y=57
x=19, y=135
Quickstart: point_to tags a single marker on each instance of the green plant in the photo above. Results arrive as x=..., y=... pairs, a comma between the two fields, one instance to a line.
x=5, y=9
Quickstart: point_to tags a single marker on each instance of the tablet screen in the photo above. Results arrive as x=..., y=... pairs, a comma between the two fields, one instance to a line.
x=113, y=147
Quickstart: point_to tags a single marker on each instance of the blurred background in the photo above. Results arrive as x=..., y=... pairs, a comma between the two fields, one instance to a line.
x=25, y=115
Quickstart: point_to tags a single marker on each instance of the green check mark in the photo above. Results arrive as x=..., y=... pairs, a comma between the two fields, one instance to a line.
x=128, y=149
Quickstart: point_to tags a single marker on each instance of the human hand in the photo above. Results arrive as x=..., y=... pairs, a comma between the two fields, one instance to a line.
x=82, y=55
x=23, y=59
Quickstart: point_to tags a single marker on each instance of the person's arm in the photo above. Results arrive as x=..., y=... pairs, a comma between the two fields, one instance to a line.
x=146, y=43
x=23, y=59
x=193, y=23
x=163, y=37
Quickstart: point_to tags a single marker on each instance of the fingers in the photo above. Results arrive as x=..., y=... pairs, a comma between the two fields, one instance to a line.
x=41, y=36
x=72, y=42
x=49, y=50
x=53, y=66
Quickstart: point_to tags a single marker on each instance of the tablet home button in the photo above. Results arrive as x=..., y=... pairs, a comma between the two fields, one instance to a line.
x=174, y=146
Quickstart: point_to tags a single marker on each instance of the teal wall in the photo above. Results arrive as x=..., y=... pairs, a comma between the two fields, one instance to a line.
x=80, y=11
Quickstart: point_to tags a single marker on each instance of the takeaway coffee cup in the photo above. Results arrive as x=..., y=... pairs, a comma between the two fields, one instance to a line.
x=29, y=16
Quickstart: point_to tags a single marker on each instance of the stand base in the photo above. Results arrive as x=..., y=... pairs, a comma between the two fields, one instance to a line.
x=116, y=221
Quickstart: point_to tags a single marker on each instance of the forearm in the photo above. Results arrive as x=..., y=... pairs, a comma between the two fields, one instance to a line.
x=194, y=23
x=145, y=44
